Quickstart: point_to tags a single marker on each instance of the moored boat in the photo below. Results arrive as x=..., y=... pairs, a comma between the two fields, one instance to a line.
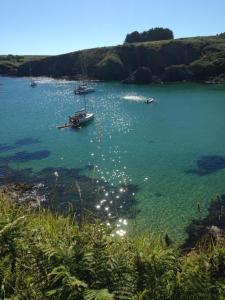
x=83, y=89
x=32, y=82
x=80, y=118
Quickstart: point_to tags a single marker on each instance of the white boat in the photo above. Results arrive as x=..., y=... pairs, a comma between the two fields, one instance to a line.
x=80, y=117
x=83, y=89
x=150, y=100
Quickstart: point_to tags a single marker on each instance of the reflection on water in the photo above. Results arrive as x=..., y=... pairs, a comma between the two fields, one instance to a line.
x=94, y=198
x=48, y=80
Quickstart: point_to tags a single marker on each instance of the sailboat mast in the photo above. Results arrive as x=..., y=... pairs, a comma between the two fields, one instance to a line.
x=85, y=104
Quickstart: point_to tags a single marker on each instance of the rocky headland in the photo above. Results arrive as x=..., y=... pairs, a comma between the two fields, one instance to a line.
x=187, y=59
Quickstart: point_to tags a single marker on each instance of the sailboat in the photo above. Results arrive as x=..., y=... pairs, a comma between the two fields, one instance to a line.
x=83, y=89
x=81, y=117
x=32, y=82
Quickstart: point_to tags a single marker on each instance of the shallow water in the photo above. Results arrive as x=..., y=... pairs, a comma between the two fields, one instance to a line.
x=174, y=150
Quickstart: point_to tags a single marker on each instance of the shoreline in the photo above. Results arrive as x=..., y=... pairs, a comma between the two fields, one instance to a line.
x=91, y=80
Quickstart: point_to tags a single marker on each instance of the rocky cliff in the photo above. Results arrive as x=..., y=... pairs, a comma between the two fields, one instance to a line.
x=191, y=59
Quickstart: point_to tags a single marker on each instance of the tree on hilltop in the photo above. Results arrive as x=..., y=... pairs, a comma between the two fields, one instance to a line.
x=133, y=37
x=153, y=34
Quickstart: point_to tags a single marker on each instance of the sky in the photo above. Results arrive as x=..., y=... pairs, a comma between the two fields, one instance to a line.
x=52, y=27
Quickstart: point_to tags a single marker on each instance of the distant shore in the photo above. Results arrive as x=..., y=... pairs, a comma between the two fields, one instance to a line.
x=195, y=59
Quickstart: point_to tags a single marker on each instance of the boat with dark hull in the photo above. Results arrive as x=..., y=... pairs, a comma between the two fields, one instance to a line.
x=150, y=100
x=83, y=89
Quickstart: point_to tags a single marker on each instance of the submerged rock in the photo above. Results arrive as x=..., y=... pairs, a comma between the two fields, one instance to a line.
x=215, y=231
x=207, y=230
x=67, y=190
x=19, y=193
x=208, y=164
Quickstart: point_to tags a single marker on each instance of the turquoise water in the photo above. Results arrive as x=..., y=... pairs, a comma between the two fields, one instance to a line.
x=156, y=146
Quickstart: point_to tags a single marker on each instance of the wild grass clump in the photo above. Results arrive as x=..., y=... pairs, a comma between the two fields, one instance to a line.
x=44, y=255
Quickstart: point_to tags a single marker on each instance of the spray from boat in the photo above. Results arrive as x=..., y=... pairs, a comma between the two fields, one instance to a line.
x=142, y=99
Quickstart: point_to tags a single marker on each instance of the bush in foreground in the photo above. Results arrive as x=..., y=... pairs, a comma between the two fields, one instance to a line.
x=47, y=256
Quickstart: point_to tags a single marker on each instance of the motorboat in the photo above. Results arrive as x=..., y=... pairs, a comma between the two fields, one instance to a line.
x=83, y=89
x=80, y=117
x=150, y=100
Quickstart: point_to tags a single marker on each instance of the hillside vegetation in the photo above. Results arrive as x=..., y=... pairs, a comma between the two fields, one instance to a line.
x=48, y=256
x=9, y=63
x=191, y=59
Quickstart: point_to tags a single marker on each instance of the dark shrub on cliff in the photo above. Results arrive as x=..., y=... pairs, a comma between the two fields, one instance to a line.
x=177, y=73
x=209, y=65
x=154, y=34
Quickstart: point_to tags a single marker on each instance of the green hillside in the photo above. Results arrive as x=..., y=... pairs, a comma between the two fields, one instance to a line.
x=191, y=59
x=9, y=63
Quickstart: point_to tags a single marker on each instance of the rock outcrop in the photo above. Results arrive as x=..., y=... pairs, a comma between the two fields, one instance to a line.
x=178, y=73
x=20, y=193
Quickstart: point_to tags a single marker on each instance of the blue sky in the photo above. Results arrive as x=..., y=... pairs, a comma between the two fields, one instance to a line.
x=57, y=26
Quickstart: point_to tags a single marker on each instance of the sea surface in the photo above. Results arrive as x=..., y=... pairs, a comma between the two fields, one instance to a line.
x=171, y=152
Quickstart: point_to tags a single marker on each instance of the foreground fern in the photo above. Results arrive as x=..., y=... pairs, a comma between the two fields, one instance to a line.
x=47, y=256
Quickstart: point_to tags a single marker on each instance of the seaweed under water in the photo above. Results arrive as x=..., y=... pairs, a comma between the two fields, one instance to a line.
x=6, y=147
x=25, y=156
x=27, y=141
x=18, y=143
x=208, y=164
